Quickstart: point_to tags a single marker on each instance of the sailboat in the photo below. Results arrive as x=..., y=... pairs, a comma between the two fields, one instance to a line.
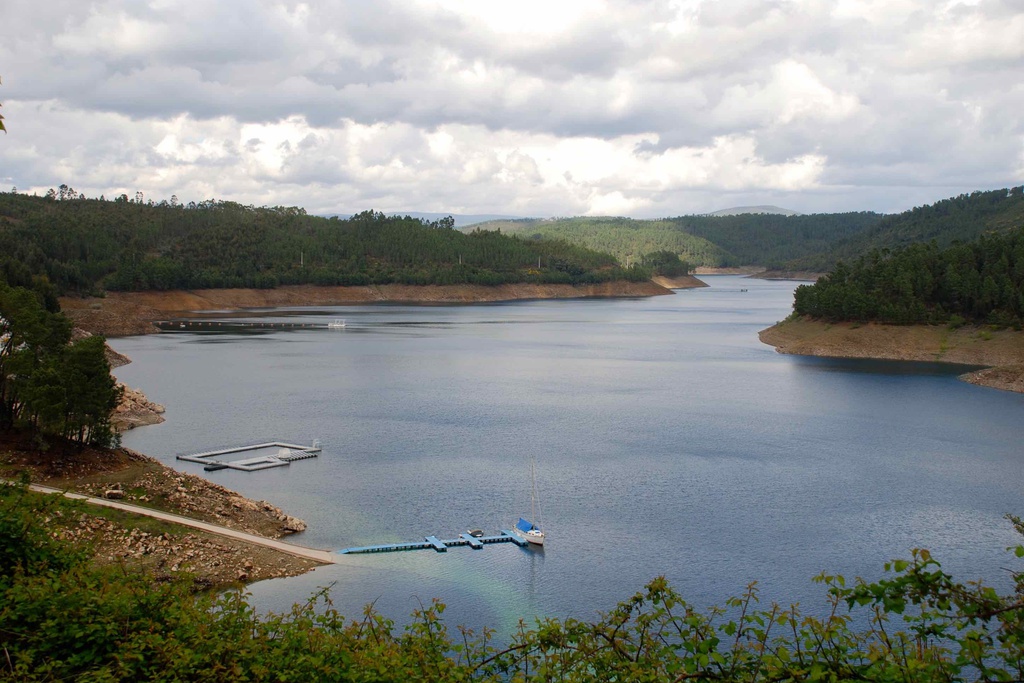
x=525, y=528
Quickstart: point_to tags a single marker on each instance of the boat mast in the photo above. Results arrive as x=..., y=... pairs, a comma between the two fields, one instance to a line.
x=533, y=489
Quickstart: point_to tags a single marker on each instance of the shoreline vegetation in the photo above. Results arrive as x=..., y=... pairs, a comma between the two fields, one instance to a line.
x=1001, y=351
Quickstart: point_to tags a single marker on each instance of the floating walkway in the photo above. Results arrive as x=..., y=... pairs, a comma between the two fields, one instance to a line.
x=236, y=326
x=434, y=543
x=286, y=454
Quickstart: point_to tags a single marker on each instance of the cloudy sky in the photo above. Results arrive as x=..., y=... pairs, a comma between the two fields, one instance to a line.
x=643, y=108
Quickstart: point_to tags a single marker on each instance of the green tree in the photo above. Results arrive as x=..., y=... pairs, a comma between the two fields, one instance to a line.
x=91, y=393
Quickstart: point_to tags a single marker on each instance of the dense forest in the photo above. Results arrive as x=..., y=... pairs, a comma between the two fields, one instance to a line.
x=961, y=218
x=774, y=241
x=766, y=240
x=980, y=282
x=624, y=238
x=85, y=245
x=64, y=618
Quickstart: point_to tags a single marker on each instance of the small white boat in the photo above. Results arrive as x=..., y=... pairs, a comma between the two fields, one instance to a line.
x=530, y=532
x=338, y=324
x=527, y=530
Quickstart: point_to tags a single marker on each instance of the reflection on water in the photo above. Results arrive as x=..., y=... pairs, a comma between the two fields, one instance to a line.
x=886, y=367
x=669, y=441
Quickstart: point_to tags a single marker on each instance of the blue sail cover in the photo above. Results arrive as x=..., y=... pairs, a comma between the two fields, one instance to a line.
x=524, y=526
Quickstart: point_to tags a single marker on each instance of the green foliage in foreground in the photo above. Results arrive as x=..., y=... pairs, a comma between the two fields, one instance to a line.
x=61, y=619
x=981, y=282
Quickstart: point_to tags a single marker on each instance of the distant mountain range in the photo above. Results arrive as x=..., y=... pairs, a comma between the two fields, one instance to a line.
x=738, y=210
x=461, y=219
x=466, y=219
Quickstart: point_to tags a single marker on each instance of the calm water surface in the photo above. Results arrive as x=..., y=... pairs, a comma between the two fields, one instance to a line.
x=668, y=440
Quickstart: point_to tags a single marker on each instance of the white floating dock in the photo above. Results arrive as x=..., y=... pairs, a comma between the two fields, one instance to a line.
x=287, y=453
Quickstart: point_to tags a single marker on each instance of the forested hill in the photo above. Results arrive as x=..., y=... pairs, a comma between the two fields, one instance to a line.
x=814, y=242
x=980, y=281
x=84, y=245
x=767, y=240
x=626, y=239
x=961, y=218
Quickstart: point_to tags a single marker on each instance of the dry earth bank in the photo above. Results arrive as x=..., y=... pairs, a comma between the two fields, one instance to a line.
x=745, y=270
x=759, y=273
x=1002, y=350
x=121, y=314
x=682, y=282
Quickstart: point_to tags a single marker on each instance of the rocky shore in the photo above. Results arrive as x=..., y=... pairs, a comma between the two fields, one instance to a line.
x=135, y=410
x=1001, y=350
x=164, y=549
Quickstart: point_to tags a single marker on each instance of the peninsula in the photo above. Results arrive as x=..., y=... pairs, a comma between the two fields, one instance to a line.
x=963, y=304
x=1000, y=351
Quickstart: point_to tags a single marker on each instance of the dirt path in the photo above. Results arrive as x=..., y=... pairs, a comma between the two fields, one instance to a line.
x=322, y=556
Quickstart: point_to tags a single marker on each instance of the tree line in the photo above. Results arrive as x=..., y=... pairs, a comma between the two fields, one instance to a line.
x=980, y=282
x=64, y=618
x=50, y=383
x=86, y=245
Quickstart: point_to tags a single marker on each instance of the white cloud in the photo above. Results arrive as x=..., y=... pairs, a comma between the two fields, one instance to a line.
x=651, y=107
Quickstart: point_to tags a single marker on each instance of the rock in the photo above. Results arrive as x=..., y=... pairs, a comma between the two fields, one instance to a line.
x=292, y=525
x=113, y=494
x=135, y=410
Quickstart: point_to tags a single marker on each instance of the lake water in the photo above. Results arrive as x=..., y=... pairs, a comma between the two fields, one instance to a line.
x=668, y=440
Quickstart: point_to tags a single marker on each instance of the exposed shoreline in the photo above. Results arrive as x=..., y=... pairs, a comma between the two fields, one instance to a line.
x=801, y=275
x=121, y=314
x=162, y=548
x=1001, y=351
x=679, y=282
